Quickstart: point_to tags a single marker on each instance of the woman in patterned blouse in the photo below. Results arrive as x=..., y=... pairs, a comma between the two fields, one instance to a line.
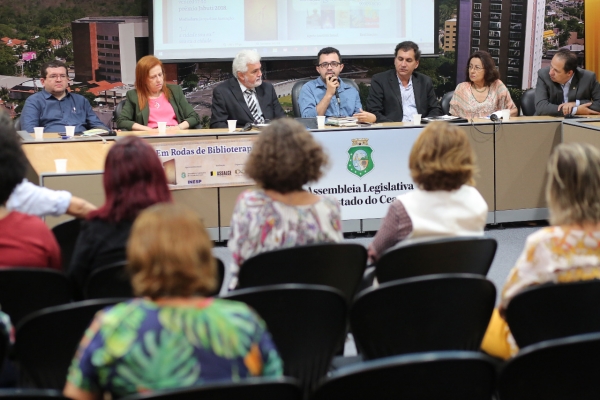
x=281, y=213
x=171, y=336
x=483, y=93
x=567, y=251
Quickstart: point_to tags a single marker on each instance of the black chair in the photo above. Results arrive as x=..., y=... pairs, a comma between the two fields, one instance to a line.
x=553, y=311
x=339, y=265
x=31, y=394
x=298, y=87
x=108, y=282
x=426, y=313
x=307, y=323
x=528, y=102
x=249, y=389
x=471, y=255
x=66, y=235
x=463, y=375
x=46, y=341
x=17, y=123
x=566, y=368
x=220, y=277
x=445, y=103
x=117, y=112
x=25, y=290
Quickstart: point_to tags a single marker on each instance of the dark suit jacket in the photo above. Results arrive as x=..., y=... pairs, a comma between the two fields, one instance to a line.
x=229, y=103
x=385, y=100
x=131, y=112
x=549, y=94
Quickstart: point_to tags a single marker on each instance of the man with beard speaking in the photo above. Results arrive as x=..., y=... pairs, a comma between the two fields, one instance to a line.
x=245, y=97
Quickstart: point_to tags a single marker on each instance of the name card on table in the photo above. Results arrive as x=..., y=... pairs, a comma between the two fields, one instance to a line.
x=206, y=163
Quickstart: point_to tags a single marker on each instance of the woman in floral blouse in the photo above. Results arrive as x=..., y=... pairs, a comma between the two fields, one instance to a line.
x=569, y=250
x=173, y=337
x=281, y=213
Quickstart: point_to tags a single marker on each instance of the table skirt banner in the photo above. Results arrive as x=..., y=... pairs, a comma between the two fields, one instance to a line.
x=368, y=169
x=205, y=163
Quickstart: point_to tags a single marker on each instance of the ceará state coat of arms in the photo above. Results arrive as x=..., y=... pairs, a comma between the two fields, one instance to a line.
x=360, y=160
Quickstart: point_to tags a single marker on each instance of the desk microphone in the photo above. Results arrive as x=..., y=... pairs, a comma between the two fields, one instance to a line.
x=494, y=118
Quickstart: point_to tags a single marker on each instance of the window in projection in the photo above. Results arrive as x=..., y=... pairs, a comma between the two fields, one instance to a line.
x=218, y=29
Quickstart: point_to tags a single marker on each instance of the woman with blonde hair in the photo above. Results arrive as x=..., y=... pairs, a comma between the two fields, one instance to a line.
x=171, y=336
x=444, y=203
x=567, y=251
x=152, y=101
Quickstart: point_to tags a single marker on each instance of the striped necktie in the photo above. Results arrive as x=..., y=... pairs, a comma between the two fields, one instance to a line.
x=258, y=119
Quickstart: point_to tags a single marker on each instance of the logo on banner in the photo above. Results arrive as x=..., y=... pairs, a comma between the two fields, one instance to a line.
x=360, y=161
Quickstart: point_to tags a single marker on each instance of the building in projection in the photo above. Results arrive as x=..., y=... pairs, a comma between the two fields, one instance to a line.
x=107, y=48
x=511, y=31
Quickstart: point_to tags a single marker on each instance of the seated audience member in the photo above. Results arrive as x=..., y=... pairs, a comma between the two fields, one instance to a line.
x=171, y=336
x=54, y=107
x=25, y=240
x=444, y=203
x=320, y=96
x=133, y=180
x=564, y=89
x=398, y=94
x=152, y=101
x=245, y=97
x=281, y=213
x=565, y=252
x=483, y=93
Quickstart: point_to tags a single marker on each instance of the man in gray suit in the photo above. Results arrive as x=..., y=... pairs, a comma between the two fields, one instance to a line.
x=396, y=95
x=564, y=89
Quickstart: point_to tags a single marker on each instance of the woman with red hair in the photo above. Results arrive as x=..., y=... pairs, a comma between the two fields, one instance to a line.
x=152, y=101
x=134, y=179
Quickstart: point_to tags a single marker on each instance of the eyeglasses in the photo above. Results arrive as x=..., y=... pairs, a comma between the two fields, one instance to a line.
x=333, y=64
x=55, y=77
x=476, y=67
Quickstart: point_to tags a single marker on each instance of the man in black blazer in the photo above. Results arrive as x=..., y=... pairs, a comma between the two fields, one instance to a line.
x=245, y=97
x=396, y=95
x=564, y=89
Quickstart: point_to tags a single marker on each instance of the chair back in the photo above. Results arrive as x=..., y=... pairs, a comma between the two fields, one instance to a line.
x=117, y=111
x=25, y=290
x=220, y=277
x=46, y=341
x=554, y=311
x=307, y=323
x=426, y=313
x=298, y=87
x=17, y=123
x=471, y=255
x=31, y=394
x=457, y=375
x=528, y=102
x=566, y=368
x=338, y=265
x=445, y=103
x=283, y=388
x=108, y=282
x=66, y=235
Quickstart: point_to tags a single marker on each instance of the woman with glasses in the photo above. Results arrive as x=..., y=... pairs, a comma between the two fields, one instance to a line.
x=152, y=101
x=483, y=93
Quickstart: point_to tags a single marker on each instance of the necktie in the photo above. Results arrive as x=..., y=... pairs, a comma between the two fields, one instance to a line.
x=258, y=119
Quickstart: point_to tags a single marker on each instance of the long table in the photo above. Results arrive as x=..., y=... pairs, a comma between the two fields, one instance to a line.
x=511, y=160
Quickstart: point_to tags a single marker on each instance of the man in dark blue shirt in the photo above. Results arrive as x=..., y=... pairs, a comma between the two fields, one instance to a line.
x=54, y=107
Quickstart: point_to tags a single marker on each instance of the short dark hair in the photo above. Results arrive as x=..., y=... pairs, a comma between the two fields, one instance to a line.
x=285, y=157
x=406, y=46
x=52, y=64
x=569, y=57
x=13, y=163
x=489, y=66
x=328, y=50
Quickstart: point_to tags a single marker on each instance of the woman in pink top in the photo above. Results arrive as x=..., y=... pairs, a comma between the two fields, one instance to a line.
x=483, y=93
x=153, y=101
x=25, y=241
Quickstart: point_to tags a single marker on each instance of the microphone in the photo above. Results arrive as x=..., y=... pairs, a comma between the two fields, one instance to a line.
x=494, y=117
x=337, y=96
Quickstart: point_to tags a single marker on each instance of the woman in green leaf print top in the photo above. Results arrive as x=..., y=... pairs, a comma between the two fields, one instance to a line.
x=172, y=337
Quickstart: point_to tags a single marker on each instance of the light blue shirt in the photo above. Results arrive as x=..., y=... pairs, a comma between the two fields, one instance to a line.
x=409, y=105
x=36, y=200
x=565, y=89
x=314, y=91
x=43, y=109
